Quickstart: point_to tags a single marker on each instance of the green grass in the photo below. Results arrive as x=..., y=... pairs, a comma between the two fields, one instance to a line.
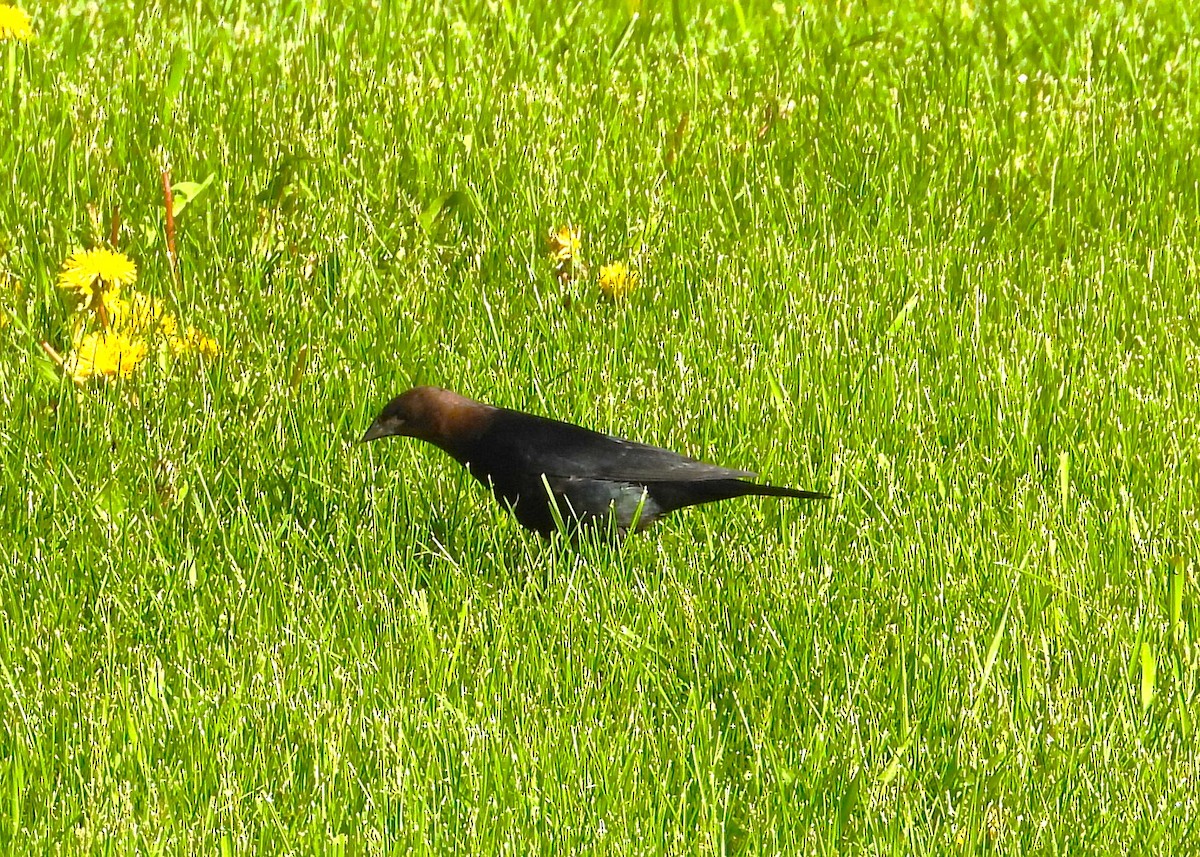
x=942, y=263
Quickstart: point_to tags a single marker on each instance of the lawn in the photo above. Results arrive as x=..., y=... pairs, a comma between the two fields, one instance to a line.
x=940, y=262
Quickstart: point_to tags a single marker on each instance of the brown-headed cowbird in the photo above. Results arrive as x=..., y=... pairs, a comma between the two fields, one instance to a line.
x=524, y=459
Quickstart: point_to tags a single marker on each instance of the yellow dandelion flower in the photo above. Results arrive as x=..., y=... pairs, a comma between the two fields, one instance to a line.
x=14, y=24
x=97, y=276
x=565, y=244
x=993, y=821
x=11, y=292
x=141, y=315
x=197, y=341
x=107, y=354
x=616, y=280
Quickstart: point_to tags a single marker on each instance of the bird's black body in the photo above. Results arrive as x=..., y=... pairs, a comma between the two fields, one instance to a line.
x=590, y=473
x=525, y=459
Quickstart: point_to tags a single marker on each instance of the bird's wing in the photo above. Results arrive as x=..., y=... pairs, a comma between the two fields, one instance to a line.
x=562, y=449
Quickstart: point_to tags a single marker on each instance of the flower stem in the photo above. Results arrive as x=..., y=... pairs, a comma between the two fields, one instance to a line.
x=12, y=74
x=169, y=205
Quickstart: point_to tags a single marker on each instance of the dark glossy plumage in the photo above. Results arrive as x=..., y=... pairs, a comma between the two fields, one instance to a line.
x=591, y=475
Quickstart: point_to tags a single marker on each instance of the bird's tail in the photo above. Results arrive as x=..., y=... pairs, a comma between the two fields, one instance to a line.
x=760, y=490
x=676, y=495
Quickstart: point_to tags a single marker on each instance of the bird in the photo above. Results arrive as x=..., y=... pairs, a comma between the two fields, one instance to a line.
x=543, y=469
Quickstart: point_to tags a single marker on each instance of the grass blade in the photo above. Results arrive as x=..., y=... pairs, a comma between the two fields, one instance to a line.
x=1149, y=670
x=993, y=649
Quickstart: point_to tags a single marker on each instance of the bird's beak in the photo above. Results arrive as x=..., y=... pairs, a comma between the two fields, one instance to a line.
x=376, y=431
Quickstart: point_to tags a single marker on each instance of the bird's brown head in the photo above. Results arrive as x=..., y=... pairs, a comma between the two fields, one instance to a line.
x=431, y=414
